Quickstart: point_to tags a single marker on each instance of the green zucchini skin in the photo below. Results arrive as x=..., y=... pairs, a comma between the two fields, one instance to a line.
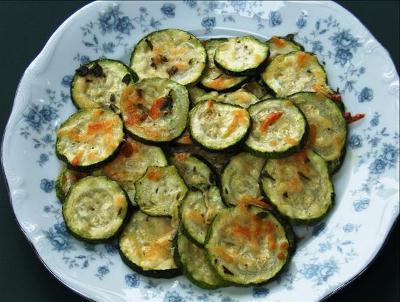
x=256, y=87
x=65, y=180
x=282, y=45
x=240, y=97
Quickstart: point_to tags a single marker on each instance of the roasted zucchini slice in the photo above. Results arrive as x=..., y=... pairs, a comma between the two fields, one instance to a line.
x=258, y=89
x=131, y=164
x=218, y=126
x=294, y=72
x=239, y=97
x=65, y=180
x=89, y=137
x=213, y=77
x=192, y=260
x=195, y=172
x=282, y=46
x=328, y=128
x=241, y=56
x=159, y=191
x=278, y=128
x=240, y=179
x=155, y=109
x=198, y=210
x=95, y=209
x=198, y=95
x=99, y=84
x=299, y=186
x=170, y=53
x=248, y=245
x=146, y=245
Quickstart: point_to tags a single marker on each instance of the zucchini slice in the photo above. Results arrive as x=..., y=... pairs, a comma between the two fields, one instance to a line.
x=328, y=128
x=256, y=88
x=198, y=210
x=282, y=46
x=170, y=53
x=65, y=180
x=192, y=260
x=89, y=137
x=299, y=186
x=240, y=179
x=241, y=55
x=247, y=245
x=239, y=97
x=213, y=77
x=131, y=164
x=146, y=246
x=160, y=190
x=155, y=109
x=294, y=72
x=95, y=209
x=198, y=95
x=278, y=128
x=99, y=84
x=218, y=126
x=196, y=173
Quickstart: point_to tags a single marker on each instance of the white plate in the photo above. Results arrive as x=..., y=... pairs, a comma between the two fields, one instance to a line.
x=332, y=252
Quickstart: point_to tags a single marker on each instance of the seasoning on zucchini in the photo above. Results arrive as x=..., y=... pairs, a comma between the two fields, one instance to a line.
x=218, y=126
x=282, y=46
x=278, y=128
x=247, y=245
x=213, y=77
x=89, y=137
x=198, y=210
x=155, y=109
x=99, y=84
x=95, y=209
x=240, y=179
x=239, y=97
x=170, y=53
x=294, y=72
x=65, y=180
x=159, y=190
x=241, y=55
x=146, y=245
x=299, y=186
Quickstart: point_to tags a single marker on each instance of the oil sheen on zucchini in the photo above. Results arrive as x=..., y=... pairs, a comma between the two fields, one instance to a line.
x=65, y=180
x=155, y=109
x=95, y=208
x=198, y=210
x=240, y=179
x=89, y=137
x=217, y=125
x=239, y=97
x=299, y=186
x=282, y=46
x=160, y=190
x=170, y=53
x=99, y=84
x=247, y=245
x=146, y=245
x=278, y=128
x=294, y=72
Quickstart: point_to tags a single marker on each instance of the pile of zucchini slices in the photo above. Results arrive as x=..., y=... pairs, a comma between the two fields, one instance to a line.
x=198, y=156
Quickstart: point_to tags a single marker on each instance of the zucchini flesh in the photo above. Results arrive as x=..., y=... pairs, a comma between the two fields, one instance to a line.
x=218, y=126
x=146, y=245
x=65, y=180
x=198, y=209
x=294, y=72
x=278, y=128
x=247, y=245
x=95, y=209
x=299, y=186
x=171, y=53
x=256, y=88
x=160, y=190
x=155, y=109
x=239, y=181
x=239, y=97
x=89, y=137
x=282, y=46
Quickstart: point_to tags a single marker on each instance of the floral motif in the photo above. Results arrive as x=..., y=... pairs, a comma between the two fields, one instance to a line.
x=260, y=292
x=355, y=141
x=361, y=205
x=172, y=297
x=208, y=23
x=275, y=18
x=102, y=271
x=319, y=272
x=66, y=81
x=366, y=95
x=132, y=280
x=168, y=9
x=46, y=185
x=302, y=20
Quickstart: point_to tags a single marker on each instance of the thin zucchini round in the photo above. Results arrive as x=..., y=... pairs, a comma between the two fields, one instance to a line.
x=170, y=53
x=65, y=180
x=218, y=126
x=95, y=209
x=198, y=95
x=145, y=245
x=198, y=210
x=240, y=179
x=89, y=137
x=239, y=97
x=299, y=186
x=155, y=109
x=278, y=128
x=282, y=46
x=247, y=245
x=294, y=72
x=241, y=56
x=160, y=190
x=257, y=88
